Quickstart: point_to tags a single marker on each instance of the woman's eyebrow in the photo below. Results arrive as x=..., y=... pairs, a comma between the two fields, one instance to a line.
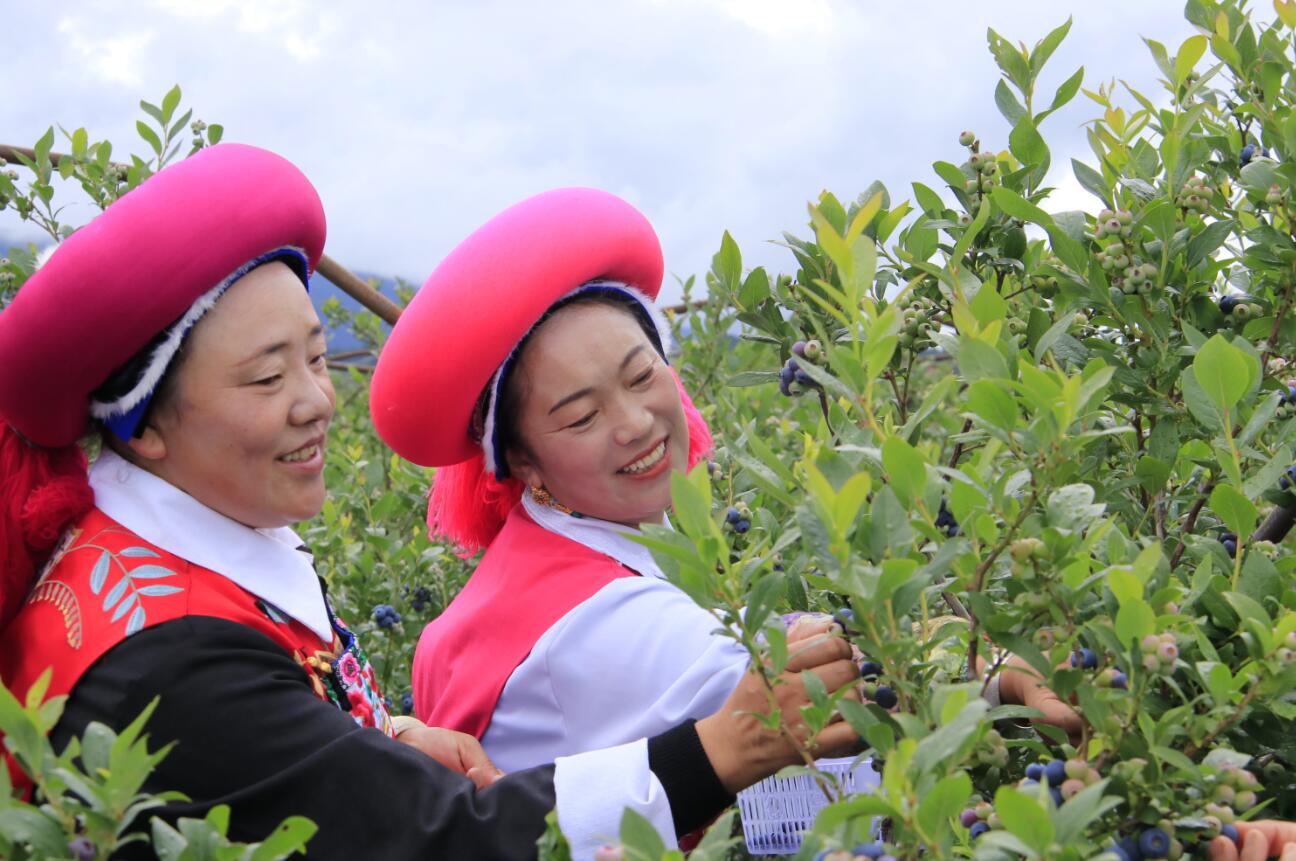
x=270, y=349
x=580, y=393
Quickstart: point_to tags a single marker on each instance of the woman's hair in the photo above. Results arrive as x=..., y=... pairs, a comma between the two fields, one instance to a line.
x=513, y=389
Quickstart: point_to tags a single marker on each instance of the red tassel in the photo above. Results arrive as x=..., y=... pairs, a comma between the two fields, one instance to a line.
x=45, y=491
x=468, y=506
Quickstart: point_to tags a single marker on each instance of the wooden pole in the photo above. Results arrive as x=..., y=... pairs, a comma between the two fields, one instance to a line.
x=346, y=280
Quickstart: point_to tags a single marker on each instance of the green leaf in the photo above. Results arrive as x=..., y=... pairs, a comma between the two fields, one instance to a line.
x=691, y=497
x=150, y=137
x=170, y=102
x=1134, y=621
x=726, y=265
x=980, y=361
x=1026, y=143
x=1091, y=180
x=1046, y=46
x=1237, y=512
x=1204, y=244
x=290, y=837
x=1222, y=371
x=1024, y=818
x=215, y=132
x=1064, y=93
x=906, y=469
x=1189, y=53
x=1008, y=103
x=639, y=839
x=992, y=404
x=943, y=803
x=929, y=200
x=1017, y=206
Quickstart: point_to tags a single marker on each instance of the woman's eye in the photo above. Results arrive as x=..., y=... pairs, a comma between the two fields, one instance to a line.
x=318, y=360
x=582, y=422
x=643, y=378
x=267, y=381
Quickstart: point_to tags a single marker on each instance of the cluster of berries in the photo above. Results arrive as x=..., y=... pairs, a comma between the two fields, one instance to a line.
x=1110, y=677
x=993, y=751
x=738, y=518
x=1160, y=653
x=917, y=322
x=1194, y=195
x=1234, y=792
x=1239, y=309
x=1249, y=152
x=980, y=819
x=862, y=852
x=385, y=615
x=1287, y=408
x=946, y=521
x=1114, y=223
x=1150, y=844
x=1064, y=778
x=421, y=600
x=1022, y=551
x=1044, y=285
x=884, y=695
x=986, y=167
x=793, y=380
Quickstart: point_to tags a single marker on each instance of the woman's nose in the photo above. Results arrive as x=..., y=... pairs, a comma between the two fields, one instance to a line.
x=635, y=423
x=314, y=400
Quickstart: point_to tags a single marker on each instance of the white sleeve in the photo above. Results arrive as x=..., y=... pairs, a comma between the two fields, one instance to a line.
x=637, y=659
x=592, y=791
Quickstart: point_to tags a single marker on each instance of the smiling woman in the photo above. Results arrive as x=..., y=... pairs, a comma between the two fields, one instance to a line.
x=556, y=420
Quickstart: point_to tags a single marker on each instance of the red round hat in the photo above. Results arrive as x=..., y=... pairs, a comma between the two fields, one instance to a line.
x=136, y=269
x=484, y=298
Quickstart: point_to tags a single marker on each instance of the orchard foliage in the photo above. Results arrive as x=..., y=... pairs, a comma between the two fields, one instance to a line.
x=975, y=427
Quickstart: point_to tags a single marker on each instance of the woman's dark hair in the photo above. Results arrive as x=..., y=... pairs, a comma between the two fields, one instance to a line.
x=511, y=390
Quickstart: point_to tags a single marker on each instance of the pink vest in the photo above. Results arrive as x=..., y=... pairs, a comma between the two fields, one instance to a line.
x=528, y=580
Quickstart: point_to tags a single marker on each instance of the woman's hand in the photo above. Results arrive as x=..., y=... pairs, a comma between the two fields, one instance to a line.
x=1264, y=838
x=742, y=751
x=457, y=751
x=1021, y=684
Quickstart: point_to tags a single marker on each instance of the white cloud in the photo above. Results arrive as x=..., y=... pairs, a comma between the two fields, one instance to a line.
x=117, y=59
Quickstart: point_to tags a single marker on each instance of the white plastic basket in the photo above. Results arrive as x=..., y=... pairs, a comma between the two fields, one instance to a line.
x=778, y=810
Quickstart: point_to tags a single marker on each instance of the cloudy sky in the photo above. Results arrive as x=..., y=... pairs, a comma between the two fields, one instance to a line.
x=419, y=120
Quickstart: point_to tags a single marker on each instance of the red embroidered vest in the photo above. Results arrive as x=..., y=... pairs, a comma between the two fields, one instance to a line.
x=528, y=579
x=104, y=584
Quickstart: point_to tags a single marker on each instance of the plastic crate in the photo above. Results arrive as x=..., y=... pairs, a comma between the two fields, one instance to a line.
x=778, y=810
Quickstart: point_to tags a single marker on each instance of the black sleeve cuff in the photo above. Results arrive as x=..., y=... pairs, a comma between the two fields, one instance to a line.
x=695, y=793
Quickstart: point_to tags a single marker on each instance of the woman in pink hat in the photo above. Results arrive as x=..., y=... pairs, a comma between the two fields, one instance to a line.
x=176, y=325
x=532, y=369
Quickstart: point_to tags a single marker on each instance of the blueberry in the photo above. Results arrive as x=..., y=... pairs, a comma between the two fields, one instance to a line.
x=385, y=615
x=742, y=526
x=1056, y=795
x=885, y=697
x=869, y=850
x=870, y=669
x=1291, y=395
x=1291, y=473
x=1035, y=771
x=844, y=616
x=977, y=830
x=1119, y=852
x=422, y=598
x=732, y=515
x=787, y=374
x=798, y=349
x=1228, y=303
x=1283, y=482
x=1230, y=831
x=1119, y=680
x=1055, y=771
x=1248, y=152
x=1230, y=547
x=968, y=818
x=803, y=378
x=1085, y=659
x=1131, y=848
x=82, y=849
x=1154, y=843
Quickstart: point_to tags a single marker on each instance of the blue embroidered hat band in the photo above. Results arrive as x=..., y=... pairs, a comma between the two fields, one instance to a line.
x=122, y=402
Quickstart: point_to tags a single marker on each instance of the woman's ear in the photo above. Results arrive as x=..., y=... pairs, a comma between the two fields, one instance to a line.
x=149, y=445
x=523, y=468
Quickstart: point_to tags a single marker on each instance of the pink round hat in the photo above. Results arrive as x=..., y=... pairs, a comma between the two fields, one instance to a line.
x=137, y=269
x=484, y=298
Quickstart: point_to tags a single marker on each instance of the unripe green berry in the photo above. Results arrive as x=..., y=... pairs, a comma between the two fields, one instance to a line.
x=967, y=139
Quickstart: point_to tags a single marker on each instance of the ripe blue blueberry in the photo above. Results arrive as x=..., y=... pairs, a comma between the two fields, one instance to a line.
x=886, y=697
x=1248, y=152
x=385, y=615
x=407, y=703
x=1056, y=795
x=868, y=850
x=1120, y=681
x=1035, y=771
x=870, y=669
x=968, y=818
x=803, y=378
x=1131, y=849
x=1154, y=843
x=1283, y=482
x=1230, y=831
x=1085, y=659
x=1055, y=771
x=798, y=349
x=742, y=526
x=1119, y=852
x=732, y=515
x=977, y=830
x=1228, y=303
x=1230, y=547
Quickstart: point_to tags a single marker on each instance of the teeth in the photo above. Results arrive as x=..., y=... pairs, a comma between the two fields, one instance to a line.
x=300, y=454
x=648, y=461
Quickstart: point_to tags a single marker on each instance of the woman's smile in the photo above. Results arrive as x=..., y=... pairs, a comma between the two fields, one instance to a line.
x=649, y=464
